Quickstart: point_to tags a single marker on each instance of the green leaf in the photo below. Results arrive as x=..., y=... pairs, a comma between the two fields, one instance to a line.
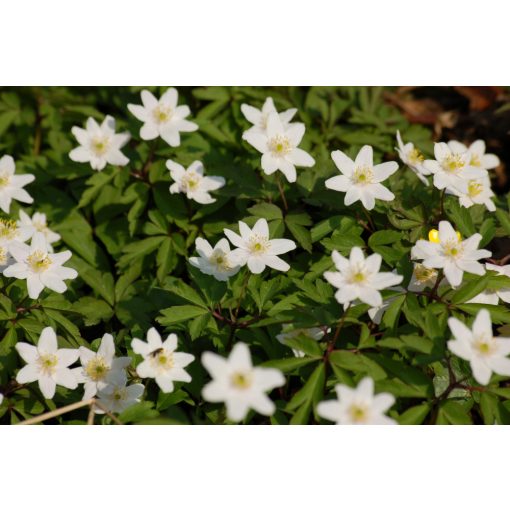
x=499, y=314
x=308, y=396
x=267, y=211
x=138, y=413
x=414, y=415
x=452, y=413
x=177, y=314
x=287, y=365
x=504, y=220
x=305, y=344
x=301, y=235
x=357, y=363
x=383, y=237
x=95, y=185
x=470, y=290
x=461, y=218
x=101, y=282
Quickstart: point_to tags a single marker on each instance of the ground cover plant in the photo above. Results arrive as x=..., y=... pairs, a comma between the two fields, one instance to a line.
x=221, y=255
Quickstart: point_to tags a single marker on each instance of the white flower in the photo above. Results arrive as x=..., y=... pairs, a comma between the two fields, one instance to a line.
x=360, y=179
x=215, y=261
x=289, y=332
x=240, y=385
x=193, y=182
x=11, y=186
x=256, y=249
x=162, y=117
x=451, y=167
x=39, y=267
x=451, y=254
x=359, y=278
x=98, y=368
x=11, y=233
x=485, y=353
x=413, y=158
x=474, y=191
x=279, y=147
x=422, y=278
x=259, y=118
x=1, y=398
x=5, y=258
x=357, y=406
x=37, y=224
x=47, y=364
x=491, y=297
x=99, y=144
x=116, y=396
x=160, y=360
x=476, y=150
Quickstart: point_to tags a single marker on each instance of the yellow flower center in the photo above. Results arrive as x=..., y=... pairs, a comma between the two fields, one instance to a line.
x=415, y=156
x=474, y=188
x=8, y=229
x=97, y=368
x=100, y=145
x=220, y=260
x=434, y=236
x=358, y=277
x=280, y=145
x=162, y=114
x=241, y=380
x=48, y=363
x=258, y=244
x=452, y=249
x=163, y=360
x=358, y=413
x=4, y=180
x=424, y=274
x=119, y=394
x=453, y=163
x=475, y=160
x=39, y=261
x=363, y=175
x=191, y=180
x=485, y=345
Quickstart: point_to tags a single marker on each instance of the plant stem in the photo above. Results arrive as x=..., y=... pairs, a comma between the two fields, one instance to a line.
x=57, y=412
x=441, y=202
x=332, y=342
x=282, y=192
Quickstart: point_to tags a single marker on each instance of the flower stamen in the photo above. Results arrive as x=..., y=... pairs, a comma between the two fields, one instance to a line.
x=100, y=145
x=8, y=229
x=162, y=114
x=241, y=380
x=363, y=175
x=97, y=368
x=48, y=363
x=39, y=261
x=280, y=145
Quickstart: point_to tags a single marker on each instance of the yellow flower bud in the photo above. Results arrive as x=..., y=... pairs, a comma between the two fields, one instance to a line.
x=434, y=236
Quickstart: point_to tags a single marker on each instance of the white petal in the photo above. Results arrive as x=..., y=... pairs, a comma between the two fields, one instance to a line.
x=47, y=341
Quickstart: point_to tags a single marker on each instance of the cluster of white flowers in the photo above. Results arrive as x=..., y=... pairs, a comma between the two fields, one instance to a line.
x=254, y=248
x=235, y=381
x=277, y=139
x=459, y=170
x=449, y=253
x=36, y=263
